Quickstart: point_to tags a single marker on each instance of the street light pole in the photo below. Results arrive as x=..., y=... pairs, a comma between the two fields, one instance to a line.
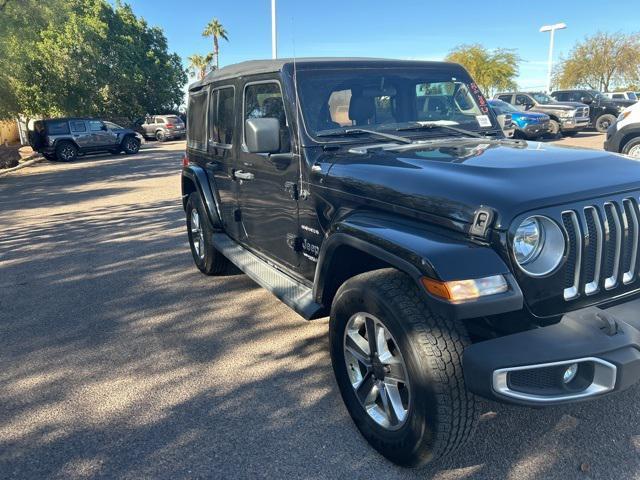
x=274, y=31
x=552, y=29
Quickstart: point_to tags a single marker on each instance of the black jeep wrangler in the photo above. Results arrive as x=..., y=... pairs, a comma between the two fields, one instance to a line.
x=453, y=263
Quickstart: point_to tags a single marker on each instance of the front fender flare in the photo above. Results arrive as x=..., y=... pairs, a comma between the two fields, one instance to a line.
x=420, y=251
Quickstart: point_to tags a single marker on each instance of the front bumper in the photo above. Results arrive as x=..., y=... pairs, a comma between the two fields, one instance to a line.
x=527, y=368
x=536, y=129
x=574, y=124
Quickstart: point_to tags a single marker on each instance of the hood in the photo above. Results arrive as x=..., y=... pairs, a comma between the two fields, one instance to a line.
x=619, y=102
x=452, y=178
x=560, y=106
x=529, y=116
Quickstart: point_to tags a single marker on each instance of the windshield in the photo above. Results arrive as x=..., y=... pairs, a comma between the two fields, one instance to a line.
x=543, y=98
x=632, y=96
x=503, y=108
x=113, y=126
x=387, y=99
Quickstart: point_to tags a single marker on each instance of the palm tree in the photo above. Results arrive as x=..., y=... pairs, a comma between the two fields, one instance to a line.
x=215, y=29
x=198, y=65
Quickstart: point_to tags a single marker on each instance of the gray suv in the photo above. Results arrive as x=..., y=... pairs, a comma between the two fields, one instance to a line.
x=64, y=139
x=567, y=118
x=163, y=127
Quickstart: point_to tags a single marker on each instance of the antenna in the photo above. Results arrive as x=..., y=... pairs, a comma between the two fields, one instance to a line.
x=303, y=193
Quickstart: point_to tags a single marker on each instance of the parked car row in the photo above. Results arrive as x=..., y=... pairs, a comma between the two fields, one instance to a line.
x=624, y=135
x=64, y=139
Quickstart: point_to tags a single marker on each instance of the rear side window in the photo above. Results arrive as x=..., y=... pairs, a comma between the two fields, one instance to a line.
x=197, y=120
x=78, y=126
x=222, y=119
x=618, y=96
x=58, y=127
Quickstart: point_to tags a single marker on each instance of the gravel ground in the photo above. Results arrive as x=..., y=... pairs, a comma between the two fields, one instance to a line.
x=119, y=360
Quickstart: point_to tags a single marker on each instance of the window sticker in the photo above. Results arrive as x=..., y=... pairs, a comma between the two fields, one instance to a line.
x=483, y=120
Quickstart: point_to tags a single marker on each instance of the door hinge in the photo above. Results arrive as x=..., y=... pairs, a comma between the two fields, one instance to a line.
x=482, y=222
x=292, y=189
x=237, y=215
x=294, y=242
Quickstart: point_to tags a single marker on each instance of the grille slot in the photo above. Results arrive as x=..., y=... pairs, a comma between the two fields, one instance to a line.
x=603, y=247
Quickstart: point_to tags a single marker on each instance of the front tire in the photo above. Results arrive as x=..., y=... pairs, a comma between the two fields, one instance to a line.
x=131, y=145
x=428, y=412
x=603, y=122
x=554, y=129
x=632, y=148
x=208, y=260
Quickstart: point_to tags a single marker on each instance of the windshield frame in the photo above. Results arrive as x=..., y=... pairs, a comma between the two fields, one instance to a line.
x=444, y=71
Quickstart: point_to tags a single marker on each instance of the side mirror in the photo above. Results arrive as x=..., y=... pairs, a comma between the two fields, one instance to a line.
x=262, y=135
x=586, y=100
x=104, y=127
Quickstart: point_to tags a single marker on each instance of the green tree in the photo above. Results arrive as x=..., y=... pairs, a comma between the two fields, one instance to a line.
x=600, y=62
x=199, y=65
x=215, y=30
x=491, y=70
x=84, y=57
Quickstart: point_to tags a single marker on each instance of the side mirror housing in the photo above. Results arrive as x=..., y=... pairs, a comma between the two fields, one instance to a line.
x=586, y=100
x=262, y=135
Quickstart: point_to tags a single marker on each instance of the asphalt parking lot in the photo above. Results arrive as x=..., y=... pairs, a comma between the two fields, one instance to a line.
x=118, y=359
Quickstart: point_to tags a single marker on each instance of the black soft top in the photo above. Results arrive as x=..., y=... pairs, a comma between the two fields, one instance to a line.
x=255, y=67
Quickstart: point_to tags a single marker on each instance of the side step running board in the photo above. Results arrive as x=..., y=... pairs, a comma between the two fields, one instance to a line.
x=295, y=294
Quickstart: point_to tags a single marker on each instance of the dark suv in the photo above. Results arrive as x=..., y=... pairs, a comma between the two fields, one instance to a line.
x=603, y=111
x=453, y=263
x=567, y=118
x=64, y=139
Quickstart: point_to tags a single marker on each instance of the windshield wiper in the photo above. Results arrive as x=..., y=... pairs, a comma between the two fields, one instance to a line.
x=431, y=126
x=346, y=132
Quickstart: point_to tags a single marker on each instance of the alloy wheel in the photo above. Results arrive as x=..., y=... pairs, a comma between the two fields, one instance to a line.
x=67, y=152
x=197, y=236
x=377, y=371
x=634, y=151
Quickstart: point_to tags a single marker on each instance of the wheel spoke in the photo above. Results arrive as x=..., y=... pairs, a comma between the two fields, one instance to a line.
x=395, y=400
x=357, y=346
x=371, y=335
x=367, y=390
x=396, y=371
x=388, y=407
x=381, y=341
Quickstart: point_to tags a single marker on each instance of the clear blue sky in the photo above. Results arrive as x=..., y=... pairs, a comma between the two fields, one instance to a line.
x=396, y=29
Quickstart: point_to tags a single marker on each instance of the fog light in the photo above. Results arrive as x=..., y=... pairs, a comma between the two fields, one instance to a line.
x=570, y=373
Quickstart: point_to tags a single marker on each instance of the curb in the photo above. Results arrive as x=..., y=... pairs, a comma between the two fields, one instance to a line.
x=31, y=160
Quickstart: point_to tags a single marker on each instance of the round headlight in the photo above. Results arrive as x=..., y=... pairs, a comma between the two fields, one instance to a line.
x=538, y=246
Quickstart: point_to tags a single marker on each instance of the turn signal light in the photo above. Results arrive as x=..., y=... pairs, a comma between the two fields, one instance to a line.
x=465, y=290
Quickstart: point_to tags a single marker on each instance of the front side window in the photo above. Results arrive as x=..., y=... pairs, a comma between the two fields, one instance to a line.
x=264, y=100
x=523, y=100
x=543, y=98
x=388, y=99
x=222, y=115
x=96, y=125
x=505, y=98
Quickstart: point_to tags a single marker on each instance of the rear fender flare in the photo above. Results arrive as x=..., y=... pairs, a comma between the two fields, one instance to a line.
x=194, y=178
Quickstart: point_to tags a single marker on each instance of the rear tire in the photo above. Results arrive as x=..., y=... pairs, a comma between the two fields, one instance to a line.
x=66, y=152
x=603, y=122
x=632, y=148
x=439, y=413
x=160, y=136
x=208, y=260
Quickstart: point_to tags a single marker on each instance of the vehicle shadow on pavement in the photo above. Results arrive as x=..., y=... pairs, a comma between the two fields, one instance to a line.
x=118, y=359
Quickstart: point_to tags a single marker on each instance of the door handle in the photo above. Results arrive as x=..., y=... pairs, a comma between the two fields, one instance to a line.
x=241, y=175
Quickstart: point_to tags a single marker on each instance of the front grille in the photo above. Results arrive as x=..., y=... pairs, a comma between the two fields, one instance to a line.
x=582, y=112
x=603, y=247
